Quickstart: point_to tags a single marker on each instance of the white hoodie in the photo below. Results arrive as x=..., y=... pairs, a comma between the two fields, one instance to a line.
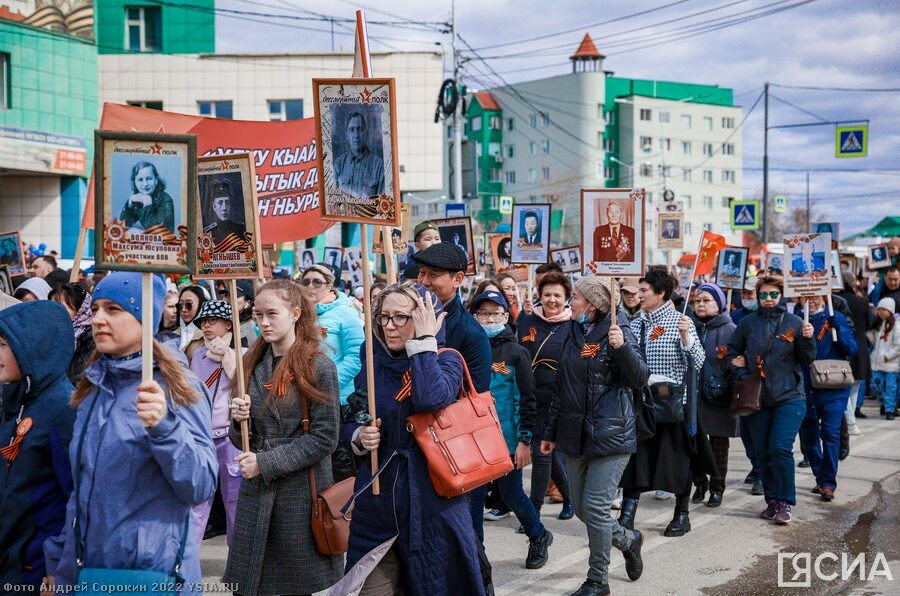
x=886, y=351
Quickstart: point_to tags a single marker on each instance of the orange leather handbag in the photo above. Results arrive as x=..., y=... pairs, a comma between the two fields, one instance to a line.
x=463, y=443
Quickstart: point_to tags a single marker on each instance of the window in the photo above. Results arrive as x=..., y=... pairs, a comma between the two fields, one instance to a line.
x=511, y=177
x=687, y=228
x=4, y=81
x=532, y=175
x=664, y=117
x=707, y=149
x=646, y=114
x=727, y=122
x=609, y=145
x=532, y=120
x=686, y=120
x=285, y=109
x=545, y=173
x=510, y=151
x=707, y=176
x=708, y=227
x=532, y=148
x=152, y=105
x=545, y=147
x=494, y=175
x=215, y=109
x=449, y=131
x=647, y=144
x=545, y=119
x=494, y=150
x=686, y=147
x=707, y=123
x=686, y=199
x=727, y=148
x=495, y=202
x=649, y=197
x=510, y=124
x=666, y=170
x=479, y=150
x=476, y=123
x=726, y=201
x=648, y=225
x=685, y=174
x=646, y=170
x=142, y=29
x=414, y=210
x=728, y=176
x=494, y=123
x=608, y=172
x=665, y=142
x=609, y=117
x=707, y=202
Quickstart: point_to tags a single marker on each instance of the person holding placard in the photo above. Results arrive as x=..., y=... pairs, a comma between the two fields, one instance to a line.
x=143, y=455
x=273, y=551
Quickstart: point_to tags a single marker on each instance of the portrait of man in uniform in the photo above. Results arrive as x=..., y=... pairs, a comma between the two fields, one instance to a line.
x=220, y=209
x=614, y=241
x=359, y=170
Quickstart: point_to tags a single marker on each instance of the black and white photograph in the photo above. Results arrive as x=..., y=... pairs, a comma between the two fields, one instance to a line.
x=307, y=258
x=6, y=285
x=568, y=257
x=501, y=254
x=356, y=134
x=11, y=254
x=775, y=262
x=669, y=230
x=732, y=267
x=334, y=257
x=458, y=231
x=530, y=233
x=146, y=202
x=878, y=256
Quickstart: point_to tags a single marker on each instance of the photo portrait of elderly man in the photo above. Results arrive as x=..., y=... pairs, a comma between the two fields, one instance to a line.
x=359, y=170
x=614, y=241
x=220, y=208
x=732, y=265
x=670, y=229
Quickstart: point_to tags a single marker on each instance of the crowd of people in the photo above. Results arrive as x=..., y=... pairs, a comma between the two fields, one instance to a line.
x=608, y=389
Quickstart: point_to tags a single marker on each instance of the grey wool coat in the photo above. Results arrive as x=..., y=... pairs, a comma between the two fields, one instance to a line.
x=272, y=549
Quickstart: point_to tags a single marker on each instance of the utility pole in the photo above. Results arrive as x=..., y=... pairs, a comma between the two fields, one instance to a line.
x=808, y=215
x=765, y=193
x=457, y=113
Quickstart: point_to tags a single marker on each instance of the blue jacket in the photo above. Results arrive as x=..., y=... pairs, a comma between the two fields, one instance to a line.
x=437, y=545
x=828, y=349
x=343, y=334
x=466, y=336
x=512, y=385
x=137, y=485
x=36, y=482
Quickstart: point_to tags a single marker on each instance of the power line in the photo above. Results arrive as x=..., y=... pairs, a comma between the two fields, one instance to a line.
x=796, y=107
x=842, y=89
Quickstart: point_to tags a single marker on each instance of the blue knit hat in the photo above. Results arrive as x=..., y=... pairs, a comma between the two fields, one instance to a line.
x=124, y=288
x=716, y=292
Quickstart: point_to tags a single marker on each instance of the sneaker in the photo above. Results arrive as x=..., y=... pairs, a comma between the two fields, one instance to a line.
x=617, y=502
x=757, y=488
x=592, y=588
x=495, y=515
x=538, y=550
x=521, y=529
x=859, y=414
x=827, y=494
x=750, y=478
x=890, y=416
x=854, y=431
x=782, y=514
x=804, y=463
x=770, y=510
x=662, y=495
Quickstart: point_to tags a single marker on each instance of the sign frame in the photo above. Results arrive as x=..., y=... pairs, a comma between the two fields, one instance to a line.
x=732, y=282
x=453, y=222
x=568, y=264
x=518, y=272
x=878, y=263
x=670, y=243
x=863, y=129
x=733, y=209
x=635, y=199
x=22, y=267
x=815, y=282
x=522, y=253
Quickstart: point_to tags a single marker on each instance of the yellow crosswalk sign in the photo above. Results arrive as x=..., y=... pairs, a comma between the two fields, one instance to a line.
x=851, y=141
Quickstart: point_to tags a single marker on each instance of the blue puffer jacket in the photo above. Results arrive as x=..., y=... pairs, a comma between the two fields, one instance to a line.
x=828, y=349
x=343, y=334
x=137, y=485
x=36, y=480
x=512, y=385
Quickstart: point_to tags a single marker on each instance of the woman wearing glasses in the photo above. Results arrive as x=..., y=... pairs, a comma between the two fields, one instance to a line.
x=777, y=346
x=342, y=334
x=435, y=551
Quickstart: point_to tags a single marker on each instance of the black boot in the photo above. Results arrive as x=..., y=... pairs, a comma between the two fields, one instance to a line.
x=699, y=494
x=681, y=523
x=634, y=565
x=626, y=515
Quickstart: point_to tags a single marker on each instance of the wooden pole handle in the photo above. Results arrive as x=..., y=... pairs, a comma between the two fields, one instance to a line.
x=370, y=353
x=239, y=360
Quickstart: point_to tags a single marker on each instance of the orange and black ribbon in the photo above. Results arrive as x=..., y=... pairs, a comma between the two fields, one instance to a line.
x=788, y=335
x=657, y=332
x=500, y=367
x=531, y=337
x=213, y=377
x=324, y=332
x=825, y=329
x=590, y=350
x=282, y=389
x=759, y=367
x=721, y=351
x=405, y=389
x=11, y=452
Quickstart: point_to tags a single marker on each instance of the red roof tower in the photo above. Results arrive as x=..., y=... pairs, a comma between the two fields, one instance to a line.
x=587, y=58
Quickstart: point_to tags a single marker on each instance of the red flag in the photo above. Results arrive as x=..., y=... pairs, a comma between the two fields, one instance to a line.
x=710, y=245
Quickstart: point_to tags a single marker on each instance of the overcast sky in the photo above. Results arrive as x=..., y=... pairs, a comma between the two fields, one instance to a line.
x=823, y=43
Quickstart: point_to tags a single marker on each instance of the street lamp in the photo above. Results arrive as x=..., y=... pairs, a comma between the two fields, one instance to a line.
x=630, y=167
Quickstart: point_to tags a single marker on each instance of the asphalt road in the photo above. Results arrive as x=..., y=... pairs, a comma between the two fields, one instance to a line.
x=729, y=550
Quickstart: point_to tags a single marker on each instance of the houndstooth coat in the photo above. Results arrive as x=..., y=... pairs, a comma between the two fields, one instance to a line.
x=272, y=550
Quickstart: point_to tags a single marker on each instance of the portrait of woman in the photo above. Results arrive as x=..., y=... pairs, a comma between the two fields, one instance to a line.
x=149, y=204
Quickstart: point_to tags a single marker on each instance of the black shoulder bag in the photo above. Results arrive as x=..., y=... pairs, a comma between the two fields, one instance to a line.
x=669, y=399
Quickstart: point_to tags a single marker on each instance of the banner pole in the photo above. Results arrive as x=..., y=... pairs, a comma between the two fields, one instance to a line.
x=239, y=360
x=370, y=353
x=834, y=336
x=79, y=248
x=148, y=325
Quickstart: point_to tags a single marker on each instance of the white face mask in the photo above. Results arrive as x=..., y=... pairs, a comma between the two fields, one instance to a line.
x=749, y=303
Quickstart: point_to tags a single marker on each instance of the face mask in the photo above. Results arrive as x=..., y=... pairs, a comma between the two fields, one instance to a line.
x=749, y=304
x=493, y=329
x=583, y=318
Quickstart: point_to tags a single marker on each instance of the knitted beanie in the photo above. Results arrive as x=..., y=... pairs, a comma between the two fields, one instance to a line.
x=596, y=290
x=717, y=294
x=124, y=288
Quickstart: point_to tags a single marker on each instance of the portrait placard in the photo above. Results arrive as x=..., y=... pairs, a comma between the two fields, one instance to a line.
x=530, y=233
x=146, y=189
x=458, y=231
x=308, y=258
x=228, y=241
x=850, y=264
x=399, y=234
x=6, y=285
x=808, y=257
x=837, y=280
x=567, y=257
x=879, y=258
x=334, y=257
x=501, y=253
x=775, y=262
x=828, y=227
x=612, y=231
x=356, y=131
x=732, y=267
x=670, y=229
x=11, y=253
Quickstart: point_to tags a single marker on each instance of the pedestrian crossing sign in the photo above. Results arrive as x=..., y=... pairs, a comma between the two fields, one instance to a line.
x=506, y=204
x=745, y=215
x=780, y=203
x=851, y=141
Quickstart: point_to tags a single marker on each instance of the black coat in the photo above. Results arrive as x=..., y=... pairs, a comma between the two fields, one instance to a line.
x=544, y=344
x=714, y=335
x=862, y=316
x=592, y=414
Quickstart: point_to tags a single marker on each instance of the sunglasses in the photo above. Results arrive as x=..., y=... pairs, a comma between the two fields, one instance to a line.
x=773, y=295
x=316, y=283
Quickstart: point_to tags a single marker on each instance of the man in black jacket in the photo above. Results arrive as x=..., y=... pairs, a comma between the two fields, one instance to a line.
x=862, y=316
